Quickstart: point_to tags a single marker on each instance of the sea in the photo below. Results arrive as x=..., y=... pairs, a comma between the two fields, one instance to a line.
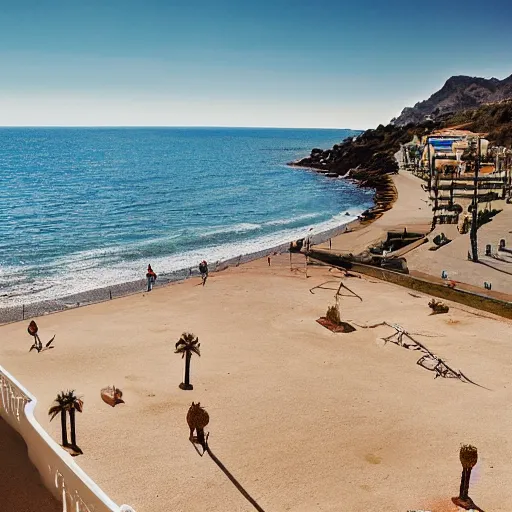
x=89, y=208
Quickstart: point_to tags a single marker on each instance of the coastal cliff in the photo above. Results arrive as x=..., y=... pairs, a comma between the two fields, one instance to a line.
x=368, y=159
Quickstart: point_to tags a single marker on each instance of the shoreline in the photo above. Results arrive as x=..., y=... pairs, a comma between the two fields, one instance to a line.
x=385, y=191
x=23, y=311
x=385, y=195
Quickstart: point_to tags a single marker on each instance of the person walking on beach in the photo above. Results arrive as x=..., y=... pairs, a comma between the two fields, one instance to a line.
x=203, y=268
x=151, y=277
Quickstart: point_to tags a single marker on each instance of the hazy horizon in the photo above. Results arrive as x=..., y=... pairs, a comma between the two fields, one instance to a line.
x=328, y=64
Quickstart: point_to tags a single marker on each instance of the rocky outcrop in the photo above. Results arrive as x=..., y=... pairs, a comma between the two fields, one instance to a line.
x=458, y=93
x=368, y=159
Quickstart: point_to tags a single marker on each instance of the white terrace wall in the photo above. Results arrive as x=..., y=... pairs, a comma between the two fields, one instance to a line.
x=60, y=474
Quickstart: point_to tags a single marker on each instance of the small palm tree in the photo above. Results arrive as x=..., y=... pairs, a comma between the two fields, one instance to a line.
x=61, y=407
x=187, y=345
x=197, y=419
x=74, y=404
x=468, y=456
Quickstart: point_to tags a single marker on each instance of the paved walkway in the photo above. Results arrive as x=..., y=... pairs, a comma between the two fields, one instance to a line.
x=21, y=489
x=452, y=258
x=411, y=210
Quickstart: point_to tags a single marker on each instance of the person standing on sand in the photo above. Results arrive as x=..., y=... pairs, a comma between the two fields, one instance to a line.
x=151, y=277
x=203, y=268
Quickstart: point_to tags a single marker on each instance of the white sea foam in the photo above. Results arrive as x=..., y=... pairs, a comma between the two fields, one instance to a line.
x=236, y=228
x=292, y=220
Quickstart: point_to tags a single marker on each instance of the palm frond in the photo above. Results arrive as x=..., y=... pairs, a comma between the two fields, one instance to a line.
x=468, y=456
x=188, y=343
x=54, y=411
x=61, y=404
x=79, y=405
x=73, y=402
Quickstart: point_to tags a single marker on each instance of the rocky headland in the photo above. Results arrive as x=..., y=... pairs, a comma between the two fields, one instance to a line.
x=369, y=158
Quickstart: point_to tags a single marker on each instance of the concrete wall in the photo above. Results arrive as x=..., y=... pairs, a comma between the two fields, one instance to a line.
x=489, y=304
x=59, y=473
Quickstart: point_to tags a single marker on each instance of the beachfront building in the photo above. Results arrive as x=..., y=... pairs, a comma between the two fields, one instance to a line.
x=448, y=163
x=447, y=152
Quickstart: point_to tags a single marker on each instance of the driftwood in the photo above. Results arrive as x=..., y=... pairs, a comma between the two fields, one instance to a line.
x=429, y=360
x=338, y=290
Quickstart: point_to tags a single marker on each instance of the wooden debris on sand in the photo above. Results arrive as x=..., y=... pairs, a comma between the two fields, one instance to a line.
x=429, y=360
x=112, y=396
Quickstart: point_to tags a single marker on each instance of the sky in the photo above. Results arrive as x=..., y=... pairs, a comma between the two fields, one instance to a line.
x=285, y=63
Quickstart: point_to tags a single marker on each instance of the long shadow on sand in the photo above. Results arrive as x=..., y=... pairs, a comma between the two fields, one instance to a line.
x=233, y=480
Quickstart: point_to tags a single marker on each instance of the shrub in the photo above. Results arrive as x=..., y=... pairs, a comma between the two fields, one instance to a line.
x=333, y=314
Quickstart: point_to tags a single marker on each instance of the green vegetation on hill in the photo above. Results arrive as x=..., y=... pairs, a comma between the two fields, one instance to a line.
x=494, y=119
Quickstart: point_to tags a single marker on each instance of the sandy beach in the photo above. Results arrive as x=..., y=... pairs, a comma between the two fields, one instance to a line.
x=411, y=209
x=305, y=419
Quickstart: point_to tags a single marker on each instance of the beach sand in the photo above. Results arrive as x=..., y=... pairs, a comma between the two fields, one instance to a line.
x=305, y=419
x=411, y=209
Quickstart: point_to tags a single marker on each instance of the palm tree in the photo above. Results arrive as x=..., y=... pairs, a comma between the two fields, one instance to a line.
x=75, y=404
x=472, y=155
x=67, y=402
x=197, y=419
x=468, y=458
x=187, y=345
x=61, y=406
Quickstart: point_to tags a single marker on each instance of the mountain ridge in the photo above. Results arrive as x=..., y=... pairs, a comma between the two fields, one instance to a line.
x=459, y=92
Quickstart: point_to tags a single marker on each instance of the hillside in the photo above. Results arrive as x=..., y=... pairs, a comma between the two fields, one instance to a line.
x=495, y=120
x=459, y=93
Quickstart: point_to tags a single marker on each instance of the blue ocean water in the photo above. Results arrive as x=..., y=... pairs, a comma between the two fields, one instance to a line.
x=82, y=208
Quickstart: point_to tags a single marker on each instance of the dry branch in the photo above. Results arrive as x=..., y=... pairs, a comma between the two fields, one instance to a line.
x=429, y=360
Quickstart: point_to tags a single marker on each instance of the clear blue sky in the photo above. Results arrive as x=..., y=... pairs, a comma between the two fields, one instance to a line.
x=323, y=63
